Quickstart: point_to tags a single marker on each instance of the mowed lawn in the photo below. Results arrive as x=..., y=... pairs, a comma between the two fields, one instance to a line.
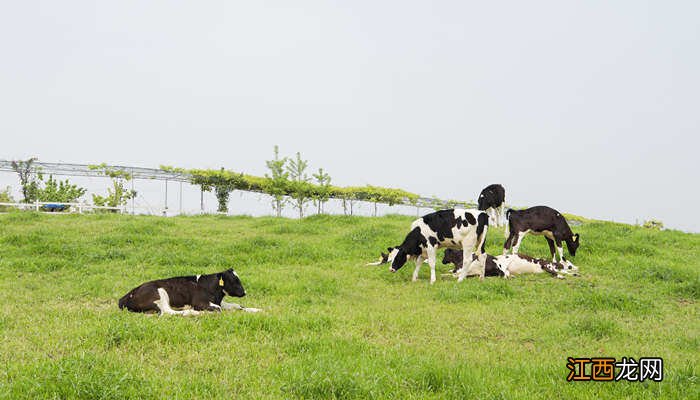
x=332, y=327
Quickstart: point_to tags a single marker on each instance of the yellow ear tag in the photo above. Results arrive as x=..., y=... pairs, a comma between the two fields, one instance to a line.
x=221, y=281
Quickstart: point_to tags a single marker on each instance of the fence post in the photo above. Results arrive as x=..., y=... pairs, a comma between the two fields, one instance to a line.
x=36, y=204
x=165, y=210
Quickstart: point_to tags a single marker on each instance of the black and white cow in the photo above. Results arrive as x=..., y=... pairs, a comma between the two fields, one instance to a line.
x=540, y=220
x=506, y=265
x=456, y=229
x=186, y=295
x=493, y=197
x=517, y=264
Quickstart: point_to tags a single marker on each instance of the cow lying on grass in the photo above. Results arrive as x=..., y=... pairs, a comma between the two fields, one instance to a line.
x=505, y=265
x=186, y=295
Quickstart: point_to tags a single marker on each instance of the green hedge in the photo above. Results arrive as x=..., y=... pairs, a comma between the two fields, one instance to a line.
x=211, y=179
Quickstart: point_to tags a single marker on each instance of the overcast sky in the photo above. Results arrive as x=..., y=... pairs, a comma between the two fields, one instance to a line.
x=591, y=107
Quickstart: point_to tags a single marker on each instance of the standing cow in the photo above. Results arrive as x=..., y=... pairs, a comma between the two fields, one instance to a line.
x=540, y=220
x=493, y=197
x=456, y=229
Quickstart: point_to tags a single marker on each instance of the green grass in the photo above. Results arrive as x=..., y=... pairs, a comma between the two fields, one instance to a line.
x=332, y=327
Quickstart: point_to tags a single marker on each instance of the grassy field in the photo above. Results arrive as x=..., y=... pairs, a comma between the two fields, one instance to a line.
x=332, y=327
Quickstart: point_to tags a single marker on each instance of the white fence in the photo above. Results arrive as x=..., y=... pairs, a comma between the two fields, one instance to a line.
x=72, y=207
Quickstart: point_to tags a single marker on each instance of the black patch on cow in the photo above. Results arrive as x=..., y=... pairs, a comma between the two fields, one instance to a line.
x=470, y=218
x=413, y=242
x=433, y=240
x=441, y=222
x=483, y=223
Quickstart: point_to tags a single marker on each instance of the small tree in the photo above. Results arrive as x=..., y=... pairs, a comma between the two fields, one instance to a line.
x=6, y=197
x=59, y=191
x=276, y=184
x=323, y=189
x=300, y=189
x=29, y=178
x=117, y=195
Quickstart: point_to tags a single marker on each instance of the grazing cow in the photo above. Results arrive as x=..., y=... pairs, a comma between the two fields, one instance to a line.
x=457, y=229
x=486, y=261
x=517, y=264
x=186, y=295
x=540, y=220
x=493, y=197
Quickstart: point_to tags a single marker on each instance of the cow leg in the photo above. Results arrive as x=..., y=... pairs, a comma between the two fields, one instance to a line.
x=419, y=262
x=432, y=252
x=550, y=242
x=464, y=272
x=516, y=246
x=163, y=304
x=510, y=242
x=561, y=252
x=234, y=306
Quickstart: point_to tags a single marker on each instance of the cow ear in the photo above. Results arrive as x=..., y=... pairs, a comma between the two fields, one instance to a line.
x=389, y=249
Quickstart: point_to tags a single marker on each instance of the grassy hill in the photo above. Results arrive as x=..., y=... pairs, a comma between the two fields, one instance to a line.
x=332, y=327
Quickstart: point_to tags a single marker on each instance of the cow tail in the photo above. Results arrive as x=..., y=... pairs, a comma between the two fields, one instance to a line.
x=506, y=233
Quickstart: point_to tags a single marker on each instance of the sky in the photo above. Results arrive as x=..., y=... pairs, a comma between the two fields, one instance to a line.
x=590, y=107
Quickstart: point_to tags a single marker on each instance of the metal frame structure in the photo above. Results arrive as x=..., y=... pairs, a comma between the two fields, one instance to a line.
x=67, y=169
x=86, y=170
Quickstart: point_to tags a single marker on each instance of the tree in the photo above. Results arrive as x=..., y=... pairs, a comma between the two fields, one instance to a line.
x=29, y=178
x=117, y=195
x=323, y=189
x=301, y=190
x=276, y=184
x=59, y=191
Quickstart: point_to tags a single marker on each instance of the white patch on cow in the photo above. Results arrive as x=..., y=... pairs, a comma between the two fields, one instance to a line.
x=163, y=304
x=215, y=305
x=197, y=280
x=431, y=262
x=235, y=274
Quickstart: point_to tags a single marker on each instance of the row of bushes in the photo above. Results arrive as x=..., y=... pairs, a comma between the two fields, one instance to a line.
x=288, y=183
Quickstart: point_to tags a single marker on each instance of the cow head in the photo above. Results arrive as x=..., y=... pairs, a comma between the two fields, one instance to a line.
x=231, y=284
x=455, y=257
x=398, y=258
x=572, y=244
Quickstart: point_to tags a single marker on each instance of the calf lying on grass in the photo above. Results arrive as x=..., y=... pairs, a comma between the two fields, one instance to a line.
x=505, y=265
x=186, y=295
x=518, y=264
